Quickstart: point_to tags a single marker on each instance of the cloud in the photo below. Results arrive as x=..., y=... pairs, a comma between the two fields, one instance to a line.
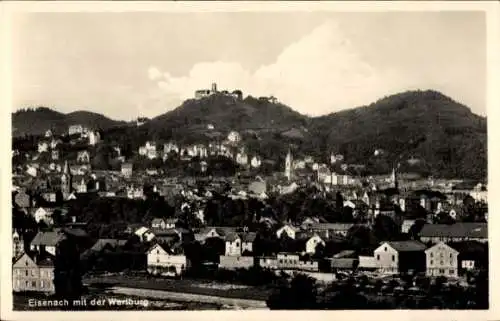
x=318, y=74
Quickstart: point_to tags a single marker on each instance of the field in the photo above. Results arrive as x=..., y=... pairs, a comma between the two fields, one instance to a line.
x=182, y=285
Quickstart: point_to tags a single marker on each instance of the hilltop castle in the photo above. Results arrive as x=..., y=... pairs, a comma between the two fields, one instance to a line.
x=202, y=93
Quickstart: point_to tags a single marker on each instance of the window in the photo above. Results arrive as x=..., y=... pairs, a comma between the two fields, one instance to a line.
x=157, y=251
x=378, y=257
x=441, y=271
x=157, y=260
x=451, y=255
x=237, y=244
x=393, y=258
x=280, y=261
x=385, y=248
x=27, y=284
x=26, y=272
x=442, y=255
x=432, y=262
x=33, y=284
x=442, y=263
x=432, y=254
x=452, y=271
x=41, y=284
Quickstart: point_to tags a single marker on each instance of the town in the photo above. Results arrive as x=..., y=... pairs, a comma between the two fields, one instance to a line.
x=225, y=217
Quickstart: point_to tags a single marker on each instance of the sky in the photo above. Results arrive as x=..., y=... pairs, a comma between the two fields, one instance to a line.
x=130, y=64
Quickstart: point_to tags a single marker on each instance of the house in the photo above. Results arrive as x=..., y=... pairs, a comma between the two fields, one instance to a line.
x=231, y=262
x=344, y=264
x=312, y=243
x=233, y=245
x=75, y=129
x=126, y=169
x=17, y=244
x=400, y=257
x=46, y=241
x=442, y=260
x=329, y=230
x=94, y=138
x=214, y=232
x=32, y=272
x=247, y=241
x=454, y=233
x=164, y=261
x=22, y=200
x=407, y=224
x=145, y=234
x=48, y=133
x=255, y=162
x=472, y=255
x=83, y=156
x=289, y=231
x=161, y=223
x=55, y=154
x=234, y=137
x=44, y=214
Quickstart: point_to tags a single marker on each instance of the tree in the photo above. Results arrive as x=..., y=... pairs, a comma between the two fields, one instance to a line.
x=299, y=294
x=67, y=272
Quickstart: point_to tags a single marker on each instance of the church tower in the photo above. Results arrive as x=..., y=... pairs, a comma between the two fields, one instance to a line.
x=394, y=177
x=288, y=165
x=66, y=181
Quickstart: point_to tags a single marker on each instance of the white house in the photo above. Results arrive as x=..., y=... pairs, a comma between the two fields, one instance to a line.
x=233, y=137
x=43, y=147
x=233, y=244
x=163, y=261
x=255, y=162
x=400, y=256
x=312, y=243
x=442, y=260
x=43, y=214
x=145, y=234
x=94, y=138
x=289, y=230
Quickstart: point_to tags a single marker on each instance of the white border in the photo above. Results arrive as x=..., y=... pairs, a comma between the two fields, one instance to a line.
x=492, y=8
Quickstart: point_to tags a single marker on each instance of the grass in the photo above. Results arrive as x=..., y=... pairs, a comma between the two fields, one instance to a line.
x=182, y=286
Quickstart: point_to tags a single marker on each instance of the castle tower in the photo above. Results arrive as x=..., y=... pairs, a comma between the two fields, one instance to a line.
x=214, y=88
x=288, y=165
x=66, y=181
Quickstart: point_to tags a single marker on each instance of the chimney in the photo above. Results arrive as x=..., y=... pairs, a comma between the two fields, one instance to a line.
x=73, y=219
x=97, y=185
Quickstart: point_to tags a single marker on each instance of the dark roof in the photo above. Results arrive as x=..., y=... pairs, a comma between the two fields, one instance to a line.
x=470, y=230
x=50, y=238
x=343, y=263
x=231, y=237
x=407, y=246
x=248, y=237
x=101, y=243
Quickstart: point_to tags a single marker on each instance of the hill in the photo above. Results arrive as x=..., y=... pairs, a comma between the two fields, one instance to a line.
x=37, y=121
x=444, y=135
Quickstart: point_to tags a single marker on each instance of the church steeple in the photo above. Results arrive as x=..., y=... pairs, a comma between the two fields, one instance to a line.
x=288, y=164
x=66, y=181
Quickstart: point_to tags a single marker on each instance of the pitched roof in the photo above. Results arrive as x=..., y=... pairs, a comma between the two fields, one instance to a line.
x=470, y=230
x=332, y=226
x=101, y=243
x=231, y=237
x=50, y=238
x=407, y=246
x=248, y=237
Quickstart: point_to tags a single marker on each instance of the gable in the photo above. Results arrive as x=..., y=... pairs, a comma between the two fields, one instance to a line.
x=24, y=261
x=381, y=249
x=156, y=248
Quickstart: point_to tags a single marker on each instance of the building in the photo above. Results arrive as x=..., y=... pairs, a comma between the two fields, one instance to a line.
x=17, y=245
x=234, y=137
x=75, y=129
x=46, y=241
x=289, y=231
x=231, y=262
x=94, y=138
x=329, y=230
x=289, y=165
x=43, y=214
x=255, y=162
x=442, y=260
x=288, y=261
x=162, y=260
x=43, y=147
x=454, y=233
x=33, y=273
x=83, y=156
x=127, y=169
x=312, y=243
x=238, y=244
x=66, y=181
x=22, y=200
x=400, y=257
x=144, y=234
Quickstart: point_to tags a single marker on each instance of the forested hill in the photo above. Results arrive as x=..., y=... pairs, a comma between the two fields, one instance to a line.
x=36, y=121
x=426, y=131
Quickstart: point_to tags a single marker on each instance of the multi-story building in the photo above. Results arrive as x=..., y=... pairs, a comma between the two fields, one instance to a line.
x=162, y=260
x=33, y=273
x=441, y=260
